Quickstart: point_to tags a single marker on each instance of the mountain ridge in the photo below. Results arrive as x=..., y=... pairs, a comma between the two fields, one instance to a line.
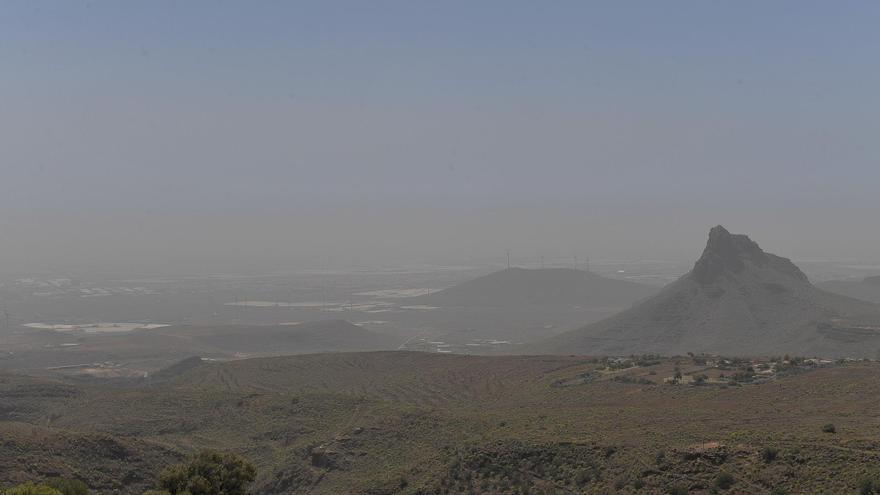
x=867, y=289
x=737, y=299
x=540, y=286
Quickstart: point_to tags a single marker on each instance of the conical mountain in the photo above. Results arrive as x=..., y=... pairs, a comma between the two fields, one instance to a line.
x=737, y=300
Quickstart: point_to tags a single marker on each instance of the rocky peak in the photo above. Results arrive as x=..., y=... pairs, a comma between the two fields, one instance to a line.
x=728, y=253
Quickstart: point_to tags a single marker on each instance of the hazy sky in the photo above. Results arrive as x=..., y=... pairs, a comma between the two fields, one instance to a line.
x=254, y=135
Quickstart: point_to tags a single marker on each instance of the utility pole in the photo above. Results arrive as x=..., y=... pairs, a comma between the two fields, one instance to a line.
x=508, y=259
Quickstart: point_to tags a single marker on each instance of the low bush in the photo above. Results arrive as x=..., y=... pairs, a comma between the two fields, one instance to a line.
x=209, y=473
x=724, y=480
x=678, y=489
x=769, y=454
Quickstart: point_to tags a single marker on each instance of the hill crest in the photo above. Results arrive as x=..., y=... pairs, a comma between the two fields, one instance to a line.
x=541, y=286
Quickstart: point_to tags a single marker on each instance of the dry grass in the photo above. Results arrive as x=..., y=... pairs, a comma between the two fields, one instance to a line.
x=405, y=422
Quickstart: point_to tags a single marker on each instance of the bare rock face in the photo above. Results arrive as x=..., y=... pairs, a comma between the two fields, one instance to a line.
x=727, y=253
x=737, y=300
x=722, y=253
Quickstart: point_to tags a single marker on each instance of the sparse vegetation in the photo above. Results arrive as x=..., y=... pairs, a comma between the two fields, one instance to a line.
x=417, y=423
x=633, y=379
x=518, y=468
x=746, y=375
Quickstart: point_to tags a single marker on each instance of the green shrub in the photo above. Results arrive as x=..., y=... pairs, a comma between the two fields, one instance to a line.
x=829, y=428
x=868, y=486
x=678, y=489
x=209, y=473
x=31, y=489
x=724, y=480
x=582, y=477
x=769, y=454
x=743, y=376
x=68, y=487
